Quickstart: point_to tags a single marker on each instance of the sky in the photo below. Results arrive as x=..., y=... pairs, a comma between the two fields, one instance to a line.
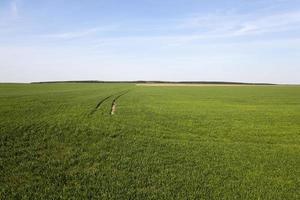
x=172, y=40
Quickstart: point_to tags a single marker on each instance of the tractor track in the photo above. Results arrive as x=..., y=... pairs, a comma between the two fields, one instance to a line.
x=113, y=104
x=121, y=93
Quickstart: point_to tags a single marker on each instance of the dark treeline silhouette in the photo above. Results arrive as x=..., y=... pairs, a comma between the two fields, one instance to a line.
x=167, y=82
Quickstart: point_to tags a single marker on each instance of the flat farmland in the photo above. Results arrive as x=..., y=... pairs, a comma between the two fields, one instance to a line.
x=60, y=141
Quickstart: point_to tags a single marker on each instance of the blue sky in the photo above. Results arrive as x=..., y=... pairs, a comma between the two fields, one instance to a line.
x=241, y=40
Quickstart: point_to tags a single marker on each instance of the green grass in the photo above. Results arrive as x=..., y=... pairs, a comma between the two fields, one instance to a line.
x=162, y=143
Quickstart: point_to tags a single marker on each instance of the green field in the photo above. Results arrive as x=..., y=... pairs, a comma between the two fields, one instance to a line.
x=213, y=142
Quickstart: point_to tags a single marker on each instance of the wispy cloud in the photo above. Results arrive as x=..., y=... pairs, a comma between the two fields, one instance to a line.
x=10, y=11
x=271, y=24
x=9, y=16
x=215, y=28
x=80, y=33
x=14, y=9
x=221, y=26
x=242, y=24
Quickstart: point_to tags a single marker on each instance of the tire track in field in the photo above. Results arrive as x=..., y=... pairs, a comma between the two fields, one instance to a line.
x=99, y=104
x=106, y=98
x=114, y=105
